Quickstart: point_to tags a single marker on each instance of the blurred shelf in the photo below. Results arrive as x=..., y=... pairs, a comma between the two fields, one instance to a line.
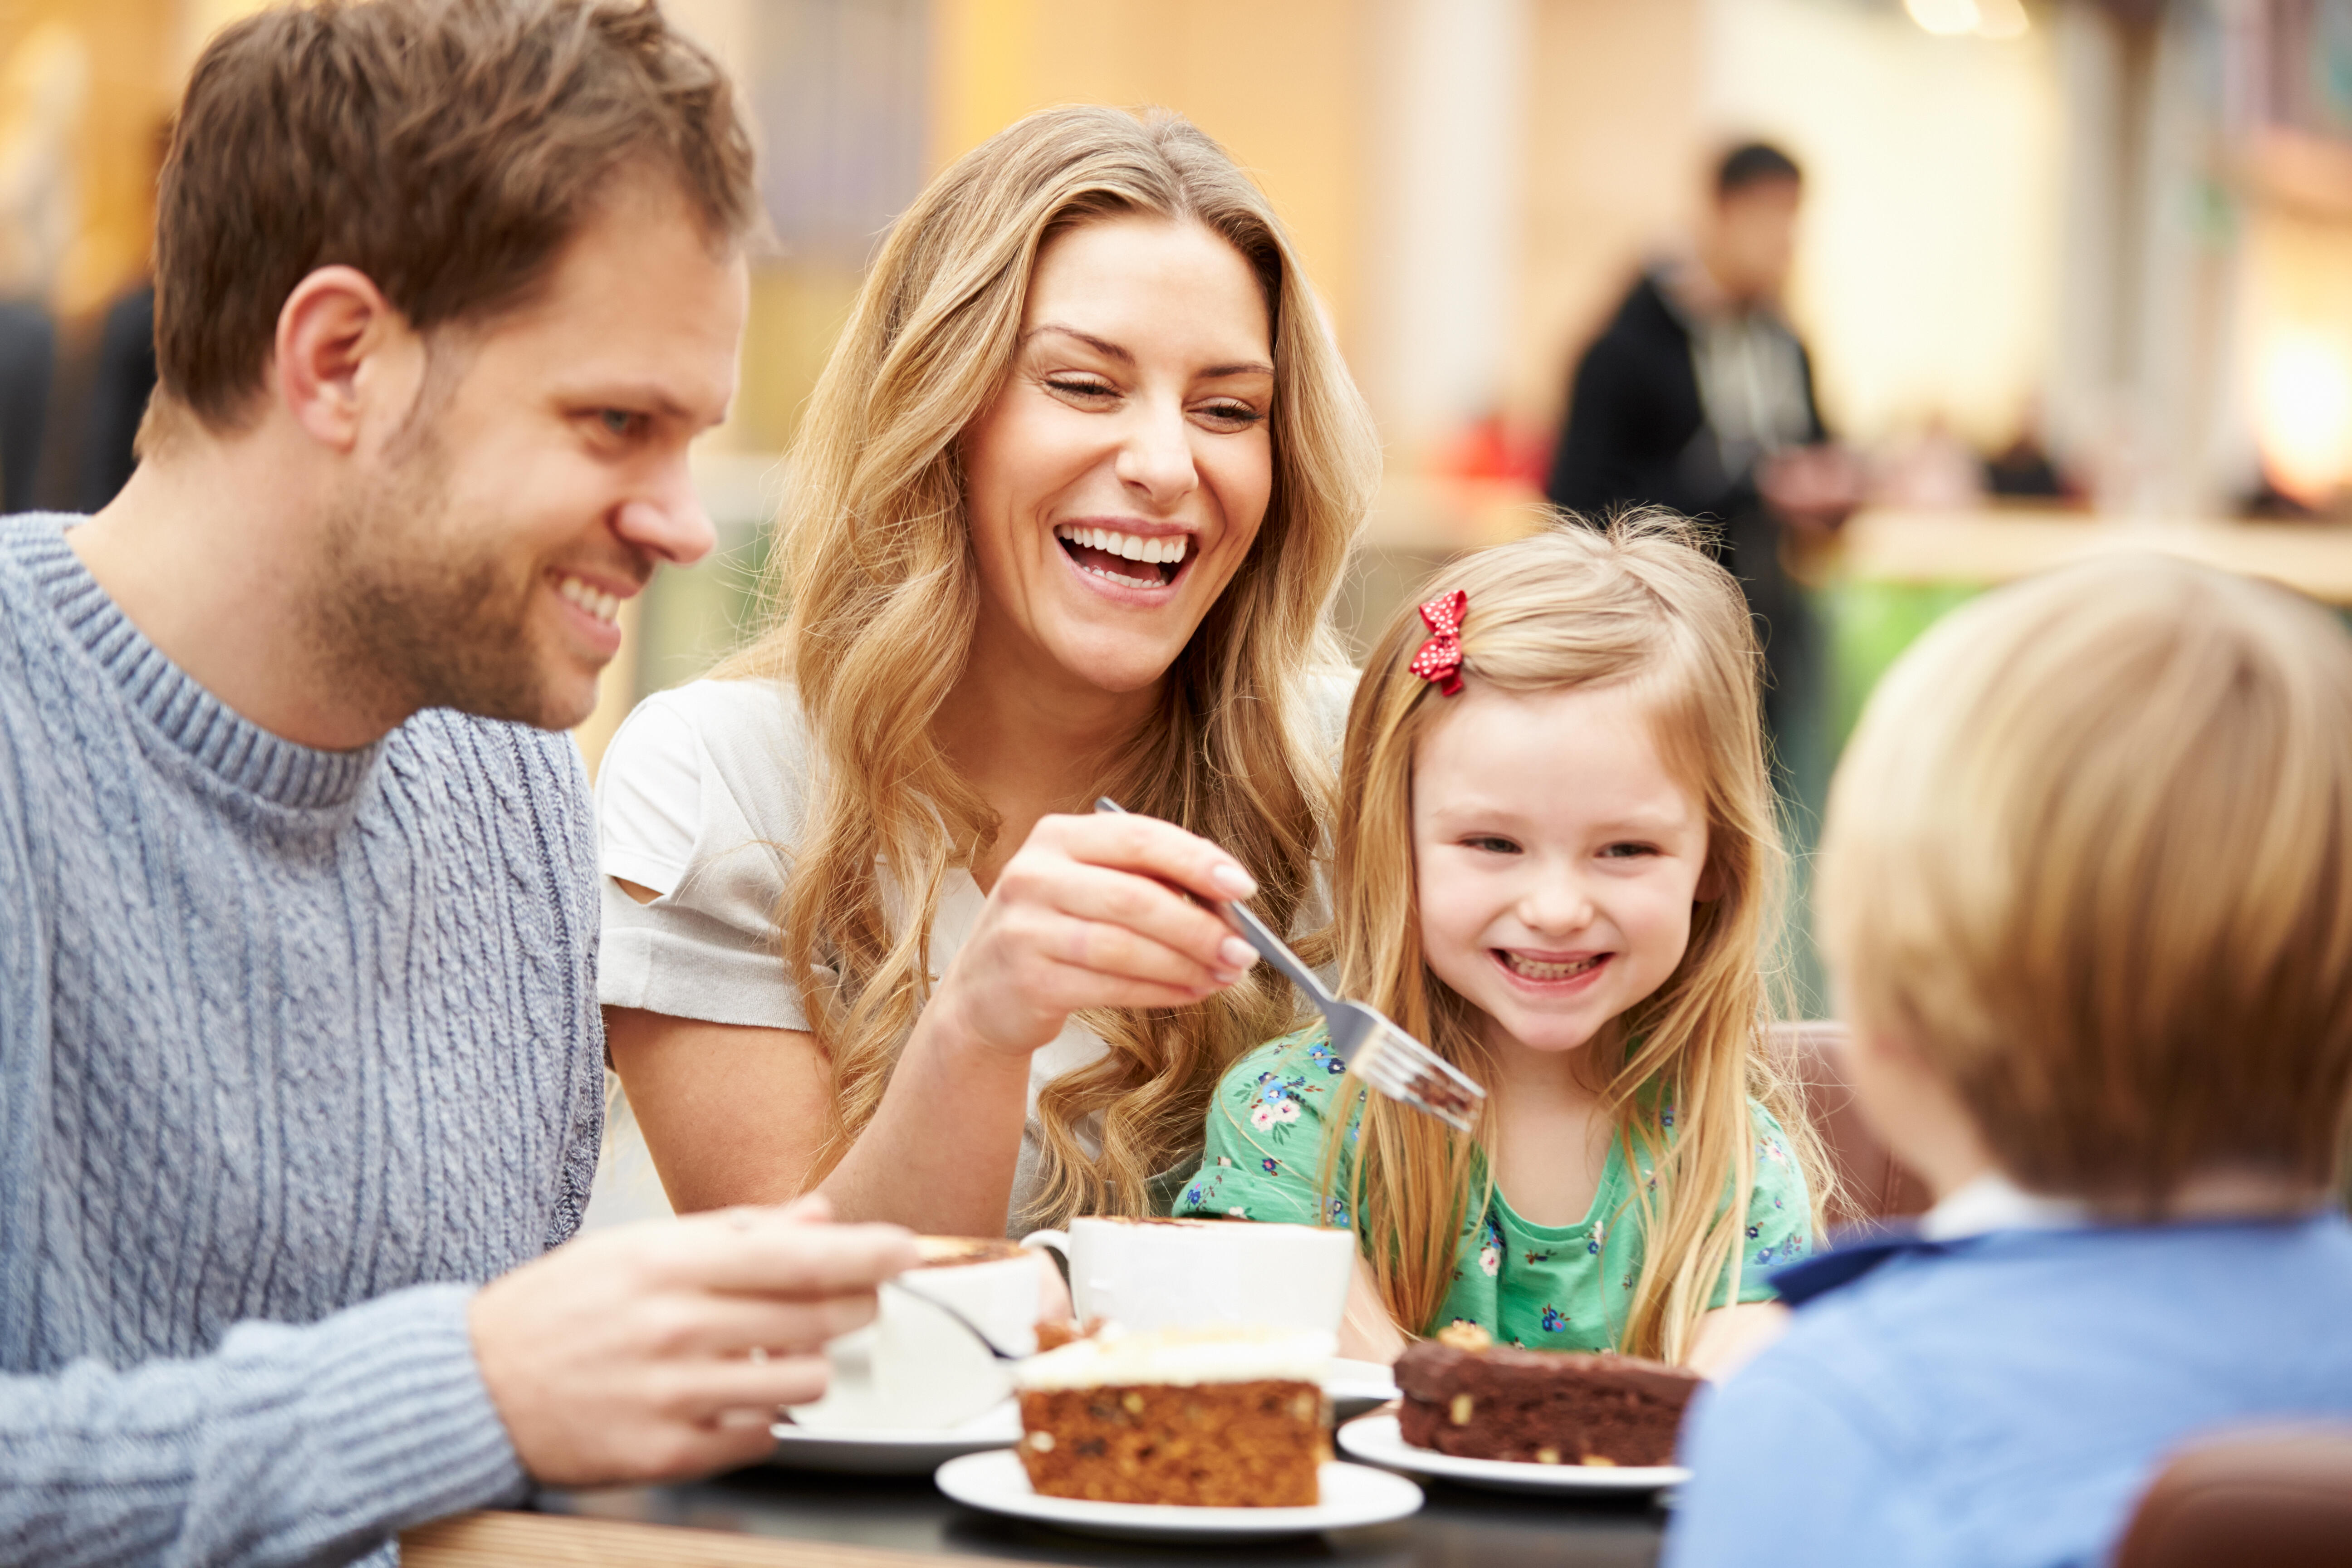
x=1985, y=548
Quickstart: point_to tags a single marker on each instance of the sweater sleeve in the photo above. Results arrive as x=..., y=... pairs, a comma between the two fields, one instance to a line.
x=287, y=1445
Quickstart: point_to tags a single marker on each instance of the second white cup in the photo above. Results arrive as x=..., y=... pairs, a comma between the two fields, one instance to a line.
x=1185, y=1273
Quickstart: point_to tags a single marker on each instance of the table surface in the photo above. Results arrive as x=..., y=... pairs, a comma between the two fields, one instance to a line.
x=909, y=1517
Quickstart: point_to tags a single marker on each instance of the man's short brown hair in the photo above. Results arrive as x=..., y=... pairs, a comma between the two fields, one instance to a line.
x=447, y=148
x=2090, y=853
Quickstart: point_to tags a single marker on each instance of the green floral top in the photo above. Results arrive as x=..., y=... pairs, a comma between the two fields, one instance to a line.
x=1557, y=1287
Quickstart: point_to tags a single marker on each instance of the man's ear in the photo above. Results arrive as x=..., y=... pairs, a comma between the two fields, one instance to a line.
x=341, y=353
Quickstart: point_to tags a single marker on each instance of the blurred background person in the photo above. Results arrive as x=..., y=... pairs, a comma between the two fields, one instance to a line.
x=1698, y=396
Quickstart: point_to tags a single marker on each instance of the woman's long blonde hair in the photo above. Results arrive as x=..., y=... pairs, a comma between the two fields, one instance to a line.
x=875, y=584
x=1638, y=603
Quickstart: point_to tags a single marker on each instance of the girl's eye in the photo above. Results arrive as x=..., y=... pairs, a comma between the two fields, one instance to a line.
x=620, y=421
x=1080, y=386
x=1491, y=844
x=1628, y=851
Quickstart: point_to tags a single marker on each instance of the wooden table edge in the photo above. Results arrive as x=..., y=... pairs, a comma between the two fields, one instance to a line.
x=498, y=1539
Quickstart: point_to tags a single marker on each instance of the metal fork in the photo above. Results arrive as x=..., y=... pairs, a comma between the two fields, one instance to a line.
x=1365, y=1041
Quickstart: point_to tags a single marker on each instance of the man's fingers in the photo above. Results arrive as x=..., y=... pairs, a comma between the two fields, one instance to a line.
x=764, y=1252
x=706, y=1390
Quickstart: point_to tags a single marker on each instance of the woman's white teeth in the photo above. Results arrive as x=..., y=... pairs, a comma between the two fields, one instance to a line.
x=1151, y=549
x=601, y=605
x=1535, y=971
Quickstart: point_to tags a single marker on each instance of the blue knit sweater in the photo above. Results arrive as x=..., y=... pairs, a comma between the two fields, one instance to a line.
x=294, y=1047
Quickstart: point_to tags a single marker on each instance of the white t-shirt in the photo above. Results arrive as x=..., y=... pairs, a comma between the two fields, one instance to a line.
x=701, y=794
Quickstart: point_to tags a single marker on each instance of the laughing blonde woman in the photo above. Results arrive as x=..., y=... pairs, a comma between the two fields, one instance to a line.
x=1066, y=515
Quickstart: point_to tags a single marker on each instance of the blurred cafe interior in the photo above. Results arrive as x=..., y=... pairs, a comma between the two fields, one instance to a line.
x=2069, y=271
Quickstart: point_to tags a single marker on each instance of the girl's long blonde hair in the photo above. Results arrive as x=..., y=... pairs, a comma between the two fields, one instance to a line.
x=876, y=592
x=1636, y=602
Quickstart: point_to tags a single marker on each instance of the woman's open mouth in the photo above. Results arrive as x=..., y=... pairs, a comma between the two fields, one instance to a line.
x=1129, y=560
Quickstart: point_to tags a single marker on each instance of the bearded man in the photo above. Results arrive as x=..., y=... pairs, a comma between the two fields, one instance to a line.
x=300, y=1065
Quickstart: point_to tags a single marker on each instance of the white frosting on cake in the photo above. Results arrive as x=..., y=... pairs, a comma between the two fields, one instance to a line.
x=1116, y=1360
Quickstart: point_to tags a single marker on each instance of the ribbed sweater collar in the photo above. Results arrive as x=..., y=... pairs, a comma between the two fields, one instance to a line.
x=218, y=739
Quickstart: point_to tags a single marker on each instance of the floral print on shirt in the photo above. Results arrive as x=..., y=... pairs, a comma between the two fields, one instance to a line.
x=1546, y=1286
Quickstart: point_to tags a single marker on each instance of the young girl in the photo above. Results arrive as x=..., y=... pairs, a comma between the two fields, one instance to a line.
x=1554, y=868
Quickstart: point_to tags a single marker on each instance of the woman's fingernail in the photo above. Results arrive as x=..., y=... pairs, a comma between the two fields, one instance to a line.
x=1233, y=883
x=1225, y=977
x=1238, y=954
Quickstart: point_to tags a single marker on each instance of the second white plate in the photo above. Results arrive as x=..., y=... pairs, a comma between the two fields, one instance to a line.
x=1355, y=1386
x=1375, y=1439
x=1353, y=1495
x=894, y=1453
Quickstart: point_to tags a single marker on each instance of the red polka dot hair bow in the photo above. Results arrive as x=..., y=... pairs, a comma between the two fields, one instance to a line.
x=1439, y=662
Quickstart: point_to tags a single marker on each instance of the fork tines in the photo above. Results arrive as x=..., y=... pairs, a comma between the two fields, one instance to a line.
x=1402, y=1067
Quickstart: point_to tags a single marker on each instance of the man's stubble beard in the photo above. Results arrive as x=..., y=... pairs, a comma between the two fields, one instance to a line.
x=414, y=611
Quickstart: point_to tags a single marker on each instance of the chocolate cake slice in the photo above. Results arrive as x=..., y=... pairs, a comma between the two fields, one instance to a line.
x=1544, y=1407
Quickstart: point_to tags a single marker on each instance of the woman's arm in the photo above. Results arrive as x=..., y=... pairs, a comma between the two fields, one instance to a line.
x=731, y=1114
x=1085, y=915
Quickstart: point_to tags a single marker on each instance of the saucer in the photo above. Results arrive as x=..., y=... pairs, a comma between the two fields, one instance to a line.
x=882, y=1452
x=1376, y=1440
x=1353, y=1496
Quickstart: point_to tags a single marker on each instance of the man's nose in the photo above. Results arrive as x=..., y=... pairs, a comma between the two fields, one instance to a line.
x=669, y=524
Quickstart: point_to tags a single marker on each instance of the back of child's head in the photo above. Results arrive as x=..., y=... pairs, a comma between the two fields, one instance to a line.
x=2089, y=854
x=1638, y=603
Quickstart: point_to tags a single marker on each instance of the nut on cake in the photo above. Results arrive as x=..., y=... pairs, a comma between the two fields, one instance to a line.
x=1207, y=1417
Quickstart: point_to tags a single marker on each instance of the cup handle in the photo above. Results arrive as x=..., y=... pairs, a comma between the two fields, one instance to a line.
x=1053, y=1241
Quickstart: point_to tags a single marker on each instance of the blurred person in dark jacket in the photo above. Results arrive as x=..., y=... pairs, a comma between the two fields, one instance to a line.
x=1698, y=396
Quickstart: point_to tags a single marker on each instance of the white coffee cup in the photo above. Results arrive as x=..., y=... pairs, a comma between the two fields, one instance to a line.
x=916, y=1368
x=1185, y=1273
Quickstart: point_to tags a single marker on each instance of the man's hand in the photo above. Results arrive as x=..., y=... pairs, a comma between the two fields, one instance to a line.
x=664, y=1350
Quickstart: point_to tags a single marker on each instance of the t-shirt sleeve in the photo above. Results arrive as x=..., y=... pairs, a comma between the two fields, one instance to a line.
x=668, y=821
x=1262, y=1150
x=1780, y=1214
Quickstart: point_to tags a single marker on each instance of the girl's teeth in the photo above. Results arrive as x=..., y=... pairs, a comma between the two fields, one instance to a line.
x=1533, y=970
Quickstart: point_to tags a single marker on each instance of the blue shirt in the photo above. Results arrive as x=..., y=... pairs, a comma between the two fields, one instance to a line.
x=2004, y=1400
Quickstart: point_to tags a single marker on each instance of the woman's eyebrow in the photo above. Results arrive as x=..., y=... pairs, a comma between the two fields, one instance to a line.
x=1103, y=346
x=1109, y=350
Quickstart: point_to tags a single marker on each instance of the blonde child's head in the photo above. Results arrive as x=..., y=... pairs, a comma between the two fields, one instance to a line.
x=1638, y=612
x=2088, y=861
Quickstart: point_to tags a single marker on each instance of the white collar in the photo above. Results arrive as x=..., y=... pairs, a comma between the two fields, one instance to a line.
x=1993, y=1201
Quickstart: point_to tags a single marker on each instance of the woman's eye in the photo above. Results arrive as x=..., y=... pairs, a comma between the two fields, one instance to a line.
x=1080, y=386
x=1232, y=416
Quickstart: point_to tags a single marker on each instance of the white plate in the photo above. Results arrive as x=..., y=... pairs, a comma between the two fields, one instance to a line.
x=1352, y=1496
x=889, y=1453
x=1375, y=1439
x=1355, y=1386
